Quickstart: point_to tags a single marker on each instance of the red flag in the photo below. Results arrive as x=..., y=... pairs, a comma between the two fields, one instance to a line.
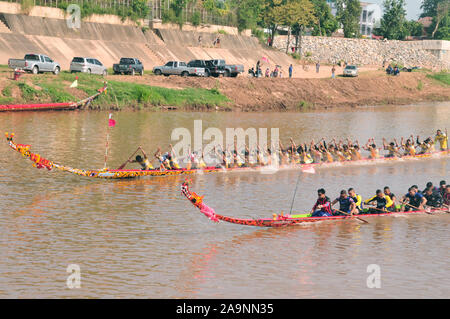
x=111, y=122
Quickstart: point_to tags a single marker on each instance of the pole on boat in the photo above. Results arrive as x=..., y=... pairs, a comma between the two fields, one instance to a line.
x=111, y=123
x=295, y=192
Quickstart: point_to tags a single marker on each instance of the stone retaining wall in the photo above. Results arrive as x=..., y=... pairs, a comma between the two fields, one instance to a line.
x=430, y=54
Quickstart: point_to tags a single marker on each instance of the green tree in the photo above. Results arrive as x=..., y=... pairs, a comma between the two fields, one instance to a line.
x=348, y=14
x=326, y=21
x=296, y=12
x=248, y=13
x=441, y=21
x=414, y=28
x=393, y=24
x=270, y=16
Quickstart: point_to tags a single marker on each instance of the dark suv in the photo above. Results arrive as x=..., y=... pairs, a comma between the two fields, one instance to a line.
x=210, y=68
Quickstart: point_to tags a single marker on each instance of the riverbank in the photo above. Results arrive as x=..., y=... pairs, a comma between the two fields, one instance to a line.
x=228, y=94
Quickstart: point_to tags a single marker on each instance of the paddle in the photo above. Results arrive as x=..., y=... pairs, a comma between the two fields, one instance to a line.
x=417, y=208
x=363, y=220
x=123, y=165
x=381, y=210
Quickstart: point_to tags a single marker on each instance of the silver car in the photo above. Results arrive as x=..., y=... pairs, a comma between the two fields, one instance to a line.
x=88, y=65
x=351, y=70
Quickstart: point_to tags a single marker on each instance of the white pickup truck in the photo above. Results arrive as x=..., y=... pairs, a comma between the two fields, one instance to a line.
x=35, y=63
x=178, y=68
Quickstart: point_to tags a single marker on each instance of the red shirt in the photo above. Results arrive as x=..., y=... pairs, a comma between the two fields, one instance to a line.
x=326, y=203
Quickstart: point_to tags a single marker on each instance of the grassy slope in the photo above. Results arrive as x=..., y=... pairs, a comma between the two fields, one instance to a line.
x=47, y=87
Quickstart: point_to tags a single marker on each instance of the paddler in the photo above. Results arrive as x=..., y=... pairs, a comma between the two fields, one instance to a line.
x=357, y=199
x=323, y=205
x=382, y=202
x=442, y=186
x=392, y=149
x=413, y=200
x=426, y=146
x=434, y=199
x=409, y=147
x=442, y=139
x=387, y=191
x=372, y=148
x=447, y=196
x=346, y=204
x=143, y=161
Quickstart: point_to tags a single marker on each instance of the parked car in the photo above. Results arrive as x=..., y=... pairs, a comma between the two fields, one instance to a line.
x=35, y=63
x=210, y=68
x=350, y=70
x=178, y=68
x=232, y=70
x=88, y=65
x=128, y=66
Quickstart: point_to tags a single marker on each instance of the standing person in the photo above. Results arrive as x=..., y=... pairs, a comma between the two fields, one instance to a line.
x=200, y=40
x=218, y=41
x=333, y=71
x=257, y=65
x=290, y=71
x=317, y=67
x=442, y=139
x=323, y=205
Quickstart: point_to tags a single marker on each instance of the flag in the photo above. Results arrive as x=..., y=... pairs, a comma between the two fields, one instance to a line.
x=111, y=121
x=308, y=169
x=265, y=59
x=74, y=83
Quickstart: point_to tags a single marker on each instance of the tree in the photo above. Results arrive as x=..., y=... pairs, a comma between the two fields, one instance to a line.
x=442, y=14
x=349, y=14
x=296, y=12
x=439, y=10
x=326, y=21
x=270, y=16
x=393, y=24
x=248, y=13
x=414, y=28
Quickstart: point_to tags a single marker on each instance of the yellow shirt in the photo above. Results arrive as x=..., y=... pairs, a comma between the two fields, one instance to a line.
x=442, y=140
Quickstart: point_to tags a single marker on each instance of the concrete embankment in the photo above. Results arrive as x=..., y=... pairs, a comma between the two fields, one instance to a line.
x=109, y=42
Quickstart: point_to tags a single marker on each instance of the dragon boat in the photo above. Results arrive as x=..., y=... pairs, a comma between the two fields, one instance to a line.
x=288, y=220
x=41, y=162
x=52, y=106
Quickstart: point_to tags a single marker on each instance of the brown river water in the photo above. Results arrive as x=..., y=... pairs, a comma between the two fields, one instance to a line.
x=142, y=239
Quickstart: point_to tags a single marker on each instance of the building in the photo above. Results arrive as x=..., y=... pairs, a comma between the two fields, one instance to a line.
x=371, y=15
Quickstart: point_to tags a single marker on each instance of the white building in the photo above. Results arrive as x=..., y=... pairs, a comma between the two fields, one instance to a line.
x=371, y=15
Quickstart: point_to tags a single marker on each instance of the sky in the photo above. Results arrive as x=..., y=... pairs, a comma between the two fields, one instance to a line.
x=412, y=8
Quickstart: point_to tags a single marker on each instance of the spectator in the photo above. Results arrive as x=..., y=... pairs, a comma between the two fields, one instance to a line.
x=333, y=71
x=199, y=40
x=218, y=41
x=257, y=65
x=290, y=71
x=267, y=72
x=317, y=67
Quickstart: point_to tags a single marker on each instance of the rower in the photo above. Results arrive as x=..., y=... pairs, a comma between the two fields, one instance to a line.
x=346, y=204
x=322, y=207
x=173, y=162
x=426, y=146
x=408, y=146
x=446, y=196
x=372, y=148
x=382, y=201
x=387, y=191
x=357, y=199
x=442, y=139
x=414, y=200
x=430, y=186
x=392, y=149
x=442, y=185
x=144, y=162
x=434, y=199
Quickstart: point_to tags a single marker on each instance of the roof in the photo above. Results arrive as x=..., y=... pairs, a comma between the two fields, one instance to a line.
x=426, y=21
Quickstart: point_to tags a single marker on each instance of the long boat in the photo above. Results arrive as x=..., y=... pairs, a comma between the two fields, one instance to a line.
x=106, y=173
x=290, y=220
x=52, y=106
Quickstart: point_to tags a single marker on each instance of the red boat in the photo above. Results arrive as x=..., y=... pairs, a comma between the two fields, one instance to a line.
x=51, y=106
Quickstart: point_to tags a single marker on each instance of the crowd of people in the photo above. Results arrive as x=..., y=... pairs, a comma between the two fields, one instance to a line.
x=304, y=153
x=384, y=201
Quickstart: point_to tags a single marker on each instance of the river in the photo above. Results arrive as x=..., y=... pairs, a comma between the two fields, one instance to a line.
x=142, y=239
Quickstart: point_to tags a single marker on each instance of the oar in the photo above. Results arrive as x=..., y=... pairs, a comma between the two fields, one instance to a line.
x=123, y=165
x=417, y=208
x=363, y=220
x=381, y=210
